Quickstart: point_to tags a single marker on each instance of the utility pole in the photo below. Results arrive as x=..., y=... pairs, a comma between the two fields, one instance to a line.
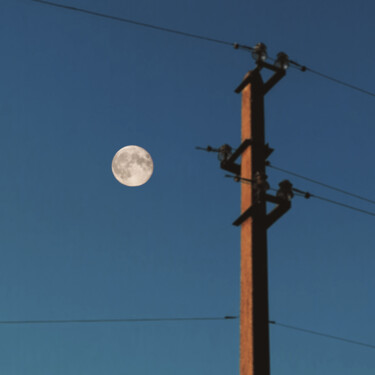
x=254, y=219
x=254, y=332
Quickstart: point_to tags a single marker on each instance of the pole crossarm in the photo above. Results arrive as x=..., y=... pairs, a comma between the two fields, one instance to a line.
x=247, y=80
x=273, y=80
x=230, y=164
x=276, y=77
x=282, y=207
x=277, y=212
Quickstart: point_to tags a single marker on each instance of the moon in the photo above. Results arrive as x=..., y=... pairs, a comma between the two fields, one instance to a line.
x=132, y=166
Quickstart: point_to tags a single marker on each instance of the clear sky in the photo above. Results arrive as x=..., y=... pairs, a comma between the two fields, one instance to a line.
x=76, y=244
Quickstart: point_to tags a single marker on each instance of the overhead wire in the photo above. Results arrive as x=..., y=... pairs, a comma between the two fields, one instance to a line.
x=304, y=68
x=294, y=64
x=136, y=320
x=307, y=195
x=321, y=183
x=340, y=82
x=148, y=320
x=322, y=334
x=138, y=23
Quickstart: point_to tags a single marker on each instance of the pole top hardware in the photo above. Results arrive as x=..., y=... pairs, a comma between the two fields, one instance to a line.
x=224, y=152
x=259, y=54
x=285, y=190
x=282, y=61
x=282, y=198
x=227, y=157
x=230, y=164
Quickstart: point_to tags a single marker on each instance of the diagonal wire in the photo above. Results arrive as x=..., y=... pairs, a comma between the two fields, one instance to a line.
x=150, y=320
x=346, y=84
x=196, y=36
x=127, y=20
x=308, y=195
x=322, y=184
x=140, y=320
x=322, y=334
x=304, y=68
x=342, y=204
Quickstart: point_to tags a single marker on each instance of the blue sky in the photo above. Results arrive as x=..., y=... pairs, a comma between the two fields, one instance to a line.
x=76, y=244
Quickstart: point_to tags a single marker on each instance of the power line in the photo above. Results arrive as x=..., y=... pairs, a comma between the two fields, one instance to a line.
x=294, y=64
x=308, y=195
x=143, y=24
x=137, y=320
x=304, y=68
x=346, y=84
x=150, y=320
x=322, y=184
x=322, y=334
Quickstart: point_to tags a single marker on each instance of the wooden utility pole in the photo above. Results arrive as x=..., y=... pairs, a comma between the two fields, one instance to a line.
x=254, y=220
x=254, y=331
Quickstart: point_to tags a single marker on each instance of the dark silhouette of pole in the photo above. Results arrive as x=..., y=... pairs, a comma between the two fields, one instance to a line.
x=254, y=219
x=254, y=330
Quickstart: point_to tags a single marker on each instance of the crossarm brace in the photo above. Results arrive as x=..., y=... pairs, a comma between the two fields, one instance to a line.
x=230, y=165
x=282, y=207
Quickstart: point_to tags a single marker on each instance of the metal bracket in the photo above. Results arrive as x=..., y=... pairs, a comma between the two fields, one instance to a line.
x=277, y=212
x=279, y=73
x=244, y=216
x=247, y=79
x=273, y=80
x=229, y=164
x=282, y=207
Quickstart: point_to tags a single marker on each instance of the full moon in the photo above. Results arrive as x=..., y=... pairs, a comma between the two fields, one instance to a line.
x=132, y=166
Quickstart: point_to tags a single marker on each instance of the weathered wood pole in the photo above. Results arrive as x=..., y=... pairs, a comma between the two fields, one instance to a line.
x=254, y=329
